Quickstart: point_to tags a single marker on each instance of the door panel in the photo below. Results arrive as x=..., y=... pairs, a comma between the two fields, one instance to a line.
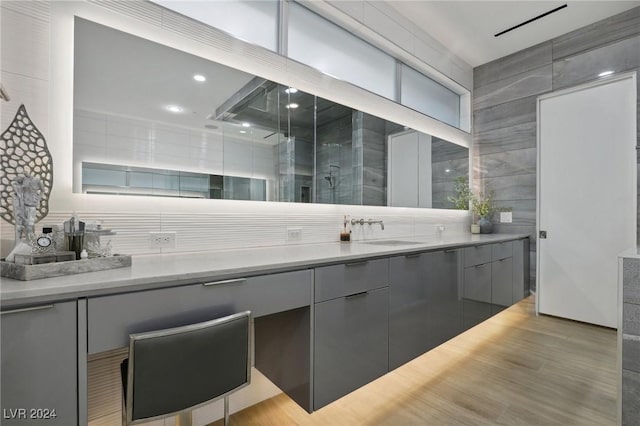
x=587, y=197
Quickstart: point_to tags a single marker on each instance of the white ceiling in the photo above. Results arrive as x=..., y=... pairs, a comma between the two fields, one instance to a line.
x=467, y=28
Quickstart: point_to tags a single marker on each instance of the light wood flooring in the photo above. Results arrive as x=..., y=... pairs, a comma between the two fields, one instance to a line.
x=514, y=369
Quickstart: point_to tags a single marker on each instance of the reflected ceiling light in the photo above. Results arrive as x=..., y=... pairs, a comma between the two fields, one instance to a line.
x=605, y=73
x=199, y=77
x=447, y=171
x=243, y=131
x=174, y=108
x=292, y=105
x=245, y=124
x=291, y=90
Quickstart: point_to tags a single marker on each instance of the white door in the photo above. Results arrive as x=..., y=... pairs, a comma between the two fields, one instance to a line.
x=586, y=197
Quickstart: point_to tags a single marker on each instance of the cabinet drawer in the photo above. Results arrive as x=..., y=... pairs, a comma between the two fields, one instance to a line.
x=501, y=250
x=351, y=344
x=477, y=283
x=502, y=282
x=112, y=318
x=342, y=280
x=477, y=255
x=39, y=353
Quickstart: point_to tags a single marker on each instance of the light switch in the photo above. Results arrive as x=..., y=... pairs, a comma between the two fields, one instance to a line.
x=506, y=217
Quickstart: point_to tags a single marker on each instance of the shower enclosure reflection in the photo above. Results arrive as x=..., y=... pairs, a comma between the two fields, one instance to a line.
x=227, y=134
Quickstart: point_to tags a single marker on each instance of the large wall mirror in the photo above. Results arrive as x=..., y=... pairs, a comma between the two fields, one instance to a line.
x=152, y=120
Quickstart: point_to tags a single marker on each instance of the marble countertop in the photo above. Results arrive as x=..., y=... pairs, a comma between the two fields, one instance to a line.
x=632, y=253
x=164, y=270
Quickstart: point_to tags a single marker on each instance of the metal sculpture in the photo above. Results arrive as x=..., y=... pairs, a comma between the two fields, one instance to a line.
x=26, y=174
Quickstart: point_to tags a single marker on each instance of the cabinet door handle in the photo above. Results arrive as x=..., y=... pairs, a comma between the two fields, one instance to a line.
x=450, y=251
x=33, y=308
x=351, y=296
x=364, y=262
x=482, y=266
x=237, y=280
x=412, y=256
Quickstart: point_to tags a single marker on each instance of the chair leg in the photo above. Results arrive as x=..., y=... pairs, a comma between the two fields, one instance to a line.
x=124, y=413
x=184, y=419
x=226, y=410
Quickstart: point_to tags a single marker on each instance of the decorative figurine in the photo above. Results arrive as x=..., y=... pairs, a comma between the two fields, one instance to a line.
x=27, y=190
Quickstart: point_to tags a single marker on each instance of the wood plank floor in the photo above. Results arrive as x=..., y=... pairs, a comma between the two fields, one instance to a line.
x=514, y=369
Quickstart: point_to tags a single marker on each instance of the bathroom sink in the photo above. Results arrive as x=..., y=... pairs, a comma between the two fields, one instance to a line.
x=391, y=242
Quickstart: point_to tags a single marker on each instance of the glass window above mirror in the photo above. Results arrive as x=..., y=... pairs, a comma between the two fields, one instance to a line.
x=325, y=46
x=152, y=120
x=253, y=21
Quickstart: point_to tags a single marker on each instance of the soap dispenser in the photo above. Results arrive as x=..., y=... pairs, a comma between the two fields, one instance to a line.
x=345, y=234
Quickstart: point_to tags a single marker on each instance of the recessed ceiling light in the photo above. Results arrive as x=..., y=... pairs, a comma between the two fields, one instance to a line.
x=174, y=108
x=605, y=73
x=200, y=78
x=291, y=90
x=292, y=105
x=243, y=131
x=246, y=124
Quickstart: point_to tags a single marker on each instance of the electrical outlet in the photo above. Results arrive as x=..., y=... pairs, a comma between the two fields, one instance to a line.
x=162, y=239
x=294, y=234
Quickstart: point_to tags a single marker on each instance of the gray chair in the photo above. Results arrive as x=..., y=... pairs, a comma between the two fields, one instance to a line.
x=170, y=372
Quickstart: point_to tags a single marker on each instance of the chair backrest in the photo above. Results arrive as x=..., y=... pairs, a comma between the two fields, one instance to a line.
x=178, y=369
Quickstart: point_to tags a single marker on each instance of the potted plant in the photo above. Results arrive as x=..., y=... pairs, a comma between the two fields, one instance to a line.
x=481, y=205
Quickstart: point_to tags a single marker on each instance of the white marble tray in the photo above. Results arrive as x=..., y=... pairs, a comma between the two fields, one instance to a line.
x=57, y=269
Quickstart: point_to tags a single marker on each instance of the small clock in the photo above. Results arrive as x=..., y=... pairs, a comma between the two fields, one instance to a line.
x=44, y=241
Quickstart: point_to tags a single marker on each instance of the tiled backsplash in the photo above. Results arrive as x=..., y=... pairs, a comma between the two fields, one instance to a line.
x=249, y=226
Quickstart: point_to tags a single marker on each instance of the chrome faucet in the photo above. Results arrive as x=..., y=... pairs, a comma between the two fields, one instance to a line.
x=369, y=221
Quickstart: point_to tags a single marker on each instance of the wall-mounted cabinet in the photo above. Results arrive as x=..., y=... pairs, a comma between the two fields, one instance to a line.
x=351, y=328
x=351, y=343
x=425, y=305
x=39, y=365
x=319, y=333
x=494, y=278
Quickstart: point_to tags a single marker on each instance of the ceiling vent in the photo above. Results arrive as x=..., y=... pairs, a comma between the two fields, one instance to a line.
x=522, y=24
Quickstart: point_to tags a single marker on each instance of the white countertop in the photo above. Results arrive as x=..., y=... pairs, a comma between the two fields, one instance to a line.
x=157, y=271
x=632, y=253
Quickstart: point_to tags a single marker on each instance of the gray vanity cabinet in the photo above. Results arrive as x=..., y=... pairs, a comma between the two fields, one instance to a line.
x=112, y=318
x=444, y=298
x=425, y=307
x=494, y=278
x=351, y=343
x=350, y=278
x=408, y=298
x=39, y=365
x=502, y=275
x=502, y=283
x=351, y=327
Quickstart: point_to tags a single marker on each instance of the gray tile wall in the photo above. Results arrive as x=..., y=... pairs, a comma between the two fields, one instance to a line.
x=504, y=108
x=630, y=341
